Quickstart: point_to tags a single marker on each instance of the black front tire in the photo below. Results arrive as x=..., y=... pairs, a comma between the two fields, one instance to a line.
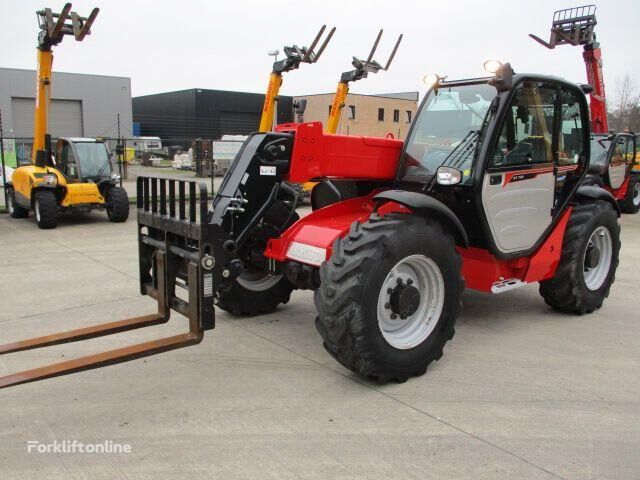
x=352, y=281
x=241, y=301
x=15, y=210
x=45, y=206
x=255, y=292
x=567, y=291
x=117, y=205
x=631, y=201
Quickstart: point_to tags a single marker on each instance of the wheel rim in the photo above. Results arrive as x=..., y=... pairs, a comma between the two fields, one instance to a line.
x=422, y=275
x=636, y=194
x=596, y=271
x=37, y=210
x=258, y=281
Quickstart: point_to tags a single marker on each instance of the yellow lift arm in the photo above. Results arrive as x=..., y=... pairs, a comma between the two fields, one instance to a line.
x=362, y=68
x=294, y=56
x=53, y=28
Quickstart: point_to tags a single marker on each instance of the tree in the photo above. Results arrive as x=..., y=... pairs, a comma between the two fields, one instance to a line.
x=626, y=106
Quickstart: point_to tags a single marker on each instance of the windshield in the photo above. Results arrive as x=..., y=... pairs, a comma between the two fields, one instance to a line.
x=93, y=159
x=599, y=148
x=446, y=130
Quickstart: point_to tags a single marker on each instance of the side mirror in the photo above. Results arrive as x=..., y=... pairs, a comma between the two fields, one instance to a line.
x=448, y=176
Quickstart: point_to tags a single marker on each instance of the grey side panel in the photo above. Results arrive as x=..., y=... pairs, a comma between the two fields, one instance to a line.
x=518, y=212
x=617, y=174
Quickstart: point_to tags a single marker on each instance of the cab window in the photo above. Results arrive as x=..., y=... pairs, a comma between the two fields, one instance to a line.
x=526, y=135
x=623, y=151
x=571, y=139
x=619, y=152
x=66, y=161
x=571, y=152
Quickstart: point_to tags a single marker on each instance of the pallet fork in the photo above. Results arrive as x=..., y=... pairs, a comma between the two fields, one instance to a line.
x=183, y=246
x=575, y=27
x=177, y=250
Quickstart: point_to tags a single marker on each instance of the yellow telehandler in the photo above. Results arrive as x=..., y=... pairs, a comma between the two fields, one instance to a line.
x=79, y=177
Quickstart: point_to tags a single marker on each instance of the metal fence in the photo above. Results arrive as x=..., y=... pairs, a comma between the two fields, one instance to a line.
x=205, y=157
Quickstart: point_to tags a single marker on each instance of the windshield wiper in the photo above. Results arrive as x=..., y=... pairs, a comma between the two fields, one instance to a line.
x=461, y=152
x=108, y=162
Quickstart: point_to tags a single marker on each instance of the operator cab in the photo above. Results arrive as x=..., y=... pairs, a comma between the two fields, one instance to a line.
x=505, y=158
x=83, y=159
x=612, y=158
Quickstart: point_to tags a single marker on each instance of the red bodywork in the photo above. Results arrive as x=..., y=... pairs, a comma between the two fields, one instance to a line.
x=319, y=155
x=620, y=193
x=480, y=269
x=322, y=227
x=323, y=155
x=598, y=105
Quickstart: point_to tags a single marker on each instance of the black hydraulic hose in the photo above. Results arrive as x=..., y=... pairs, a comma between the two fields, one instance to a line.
x=291, y=191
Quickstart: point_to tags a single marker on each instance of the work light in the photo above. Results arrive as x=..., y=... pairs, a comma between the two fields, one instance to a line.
x=492, y=65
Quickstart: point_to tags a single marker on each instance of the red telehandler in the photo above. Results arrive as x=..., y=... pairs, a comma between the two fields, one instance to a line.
x=486, y=192
x=613, y=155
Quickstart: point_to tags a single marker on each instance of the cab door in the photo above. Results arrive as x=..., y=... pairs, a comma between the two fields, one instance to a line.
x=621, y=160
x=518, y=189
x=66, y=161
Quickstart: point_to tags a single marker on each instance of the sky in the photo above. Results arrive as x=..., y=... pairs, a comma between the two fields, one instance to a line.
x=165, y=46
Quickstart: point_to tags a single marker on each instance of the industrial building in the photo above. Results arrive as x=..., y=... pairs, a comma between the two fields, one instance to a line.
x=179, y=117
x=81, y=105
x=375, y=115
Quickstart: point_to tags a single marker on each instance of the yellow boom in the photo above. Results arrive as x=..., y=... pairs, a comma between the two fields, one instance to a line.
x=362, y=68
x=53, y=28
x=294, y=56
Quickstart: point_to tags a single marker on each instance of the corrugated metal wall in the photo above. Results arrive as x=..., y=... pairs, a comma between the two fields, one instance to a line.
x=65, y=117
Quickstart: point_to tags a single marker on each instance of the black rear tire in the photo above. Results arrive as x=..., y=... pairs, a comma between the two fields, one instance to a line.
x=45, y=206
x=117, y=205
x=15, y=210
x=631, y=201
x=567, y=291
x=351, y=284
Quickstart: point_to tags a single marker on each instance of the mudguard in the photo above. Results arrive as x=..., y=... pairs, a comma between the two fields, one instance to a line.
x=593, y=192
x=310, y=239
x=424, y=204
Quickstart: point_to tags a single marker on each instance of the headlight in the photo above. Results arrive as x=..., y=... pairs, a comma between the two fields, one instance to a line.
x=50, y=179
x=115, y=176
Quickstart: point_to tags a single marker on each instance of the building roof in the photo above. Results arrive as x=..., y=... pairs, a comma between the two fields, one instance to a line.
x=413, y=96
x=208, y=90
x=409, y=96
x=57, y=72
